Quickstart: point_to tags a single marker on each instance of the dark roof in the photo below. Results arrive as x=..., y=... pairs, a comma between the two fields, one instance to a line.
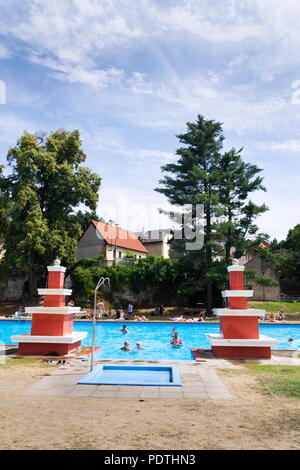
x=152, y=236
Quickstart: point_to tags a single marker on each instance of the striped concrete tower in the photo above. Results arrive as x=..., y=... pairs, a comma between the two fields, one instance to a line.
x=239, y=331
x=52, y=324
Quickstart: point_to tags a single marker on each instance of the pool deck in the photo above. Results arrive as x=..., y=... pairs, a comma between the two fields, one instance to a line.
x=199, y=380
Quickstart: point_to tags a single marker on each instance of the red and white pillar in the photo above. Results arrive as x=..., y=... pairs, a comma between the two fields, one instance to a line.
x=239, y=331
x=52, y=324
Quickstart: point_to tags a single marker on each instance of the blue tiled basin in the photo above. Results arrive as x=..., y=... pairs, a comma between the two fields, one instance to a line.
x=132, y=375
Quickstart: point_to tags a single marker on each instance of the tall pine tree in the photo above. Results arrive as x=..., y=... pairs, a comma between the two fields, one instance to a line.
x=222, y=183
x=192, y=180
x=237, y=180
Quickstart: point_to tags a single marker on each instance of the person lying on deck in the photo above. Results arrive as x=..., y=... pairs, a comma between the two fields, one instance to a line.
x=137, y=318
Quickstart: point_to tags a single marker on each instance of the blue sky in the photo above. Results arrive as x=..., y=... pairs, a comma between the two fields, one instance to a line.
x=130, y=74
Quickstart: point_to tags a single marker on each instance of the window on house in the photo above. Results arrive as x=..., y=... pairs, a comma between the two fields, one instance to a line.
x=120, y=254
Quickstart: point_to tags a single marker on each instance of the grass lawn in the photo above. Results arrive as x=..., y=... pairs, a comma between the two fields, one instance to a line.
x=24, y=362
x=279, y=380
x=273, y=307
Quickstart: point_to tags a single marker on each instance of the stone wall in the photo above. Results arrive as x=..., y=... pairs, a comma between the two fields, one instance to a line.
x=12, y=289
x=262, y=268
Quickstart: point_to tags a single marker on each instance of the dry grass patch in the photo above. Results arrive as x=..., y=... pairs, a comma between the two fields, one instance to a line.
x=251, y=420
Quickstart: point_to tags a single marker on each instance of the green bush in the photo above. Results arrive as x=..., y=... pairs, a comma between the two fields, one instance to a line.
x=165, y=275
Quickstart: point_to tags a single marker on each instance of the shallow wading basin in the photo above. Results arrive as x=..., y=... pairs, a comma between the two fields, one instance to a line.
x=132, y=375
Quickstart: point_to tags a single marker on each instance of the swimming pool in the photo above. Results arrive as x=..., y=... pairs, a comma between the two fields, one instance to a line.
x=154, y=337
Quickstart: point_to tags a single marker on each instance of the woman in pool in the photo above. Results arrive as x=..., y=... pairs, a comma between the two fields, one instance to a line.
x=126, y=347
x=124, y=329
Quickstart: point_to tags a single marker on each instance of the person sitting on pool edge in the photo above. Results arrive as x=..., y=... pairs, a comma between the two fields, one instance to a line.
x=124, y=329
x=281, y=315
x=126, y=347
x=176, y=341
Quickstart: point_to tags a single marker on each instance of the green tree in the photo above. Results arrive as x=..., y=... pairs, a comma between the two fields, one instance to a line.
x=237, y=179
x=47, y=182
x=292, y=242
x=285, y=258
x=192, y=180
x=221, y=182
x=84, y=218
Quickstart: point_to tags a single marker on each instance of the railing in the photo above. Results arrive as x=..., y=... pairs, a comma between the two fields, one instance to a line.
x=118, y=261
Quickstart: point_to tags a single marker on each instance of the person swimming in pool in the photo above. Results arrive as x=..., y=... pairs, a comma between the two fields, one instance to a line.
x=293, y=343
x=124, y=329
x=126, y=347
x=139, y=345
x=176, y=341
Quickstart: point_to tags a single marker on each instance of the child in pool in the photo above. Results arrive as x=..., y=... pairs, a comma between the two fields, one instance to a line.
x=139, y=345
x=124, y=329
x=176, y=341
x=174, y=332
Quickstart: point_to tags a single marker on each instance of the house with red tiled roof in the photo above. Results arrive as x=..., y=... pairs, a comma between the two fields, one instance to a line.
x=111, y=242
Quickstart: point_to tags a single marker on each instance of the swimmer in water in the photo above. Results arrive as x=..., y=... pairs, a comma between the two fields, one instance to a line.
x=124, y=329
x=176, y=341
x=293, y=343
x=126, y=347
x=139, y=345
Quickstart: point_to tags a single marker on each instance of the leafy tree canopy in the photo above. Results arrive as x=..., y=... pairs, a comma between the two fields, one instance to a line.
x=46, y=183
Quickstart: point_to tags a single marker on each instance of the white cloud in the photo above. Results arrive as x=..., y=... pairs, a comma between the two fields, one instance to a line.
x=290, y=145
x=72, y=33
x=110, y=140
x=12, y=127
x=4, y=52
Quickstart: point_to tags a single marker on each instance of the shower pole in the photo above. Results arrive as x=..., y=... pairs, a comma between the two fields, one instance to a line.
x=101, y=283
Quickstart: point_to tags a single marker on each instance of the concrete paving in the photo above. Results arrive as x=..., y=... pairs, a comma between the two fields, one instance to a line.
x=199, y=380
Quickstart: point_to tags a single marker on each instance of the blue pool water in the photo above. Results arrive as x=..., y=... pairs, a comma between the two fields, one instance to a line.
x=154, y=337
x=132, y=375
